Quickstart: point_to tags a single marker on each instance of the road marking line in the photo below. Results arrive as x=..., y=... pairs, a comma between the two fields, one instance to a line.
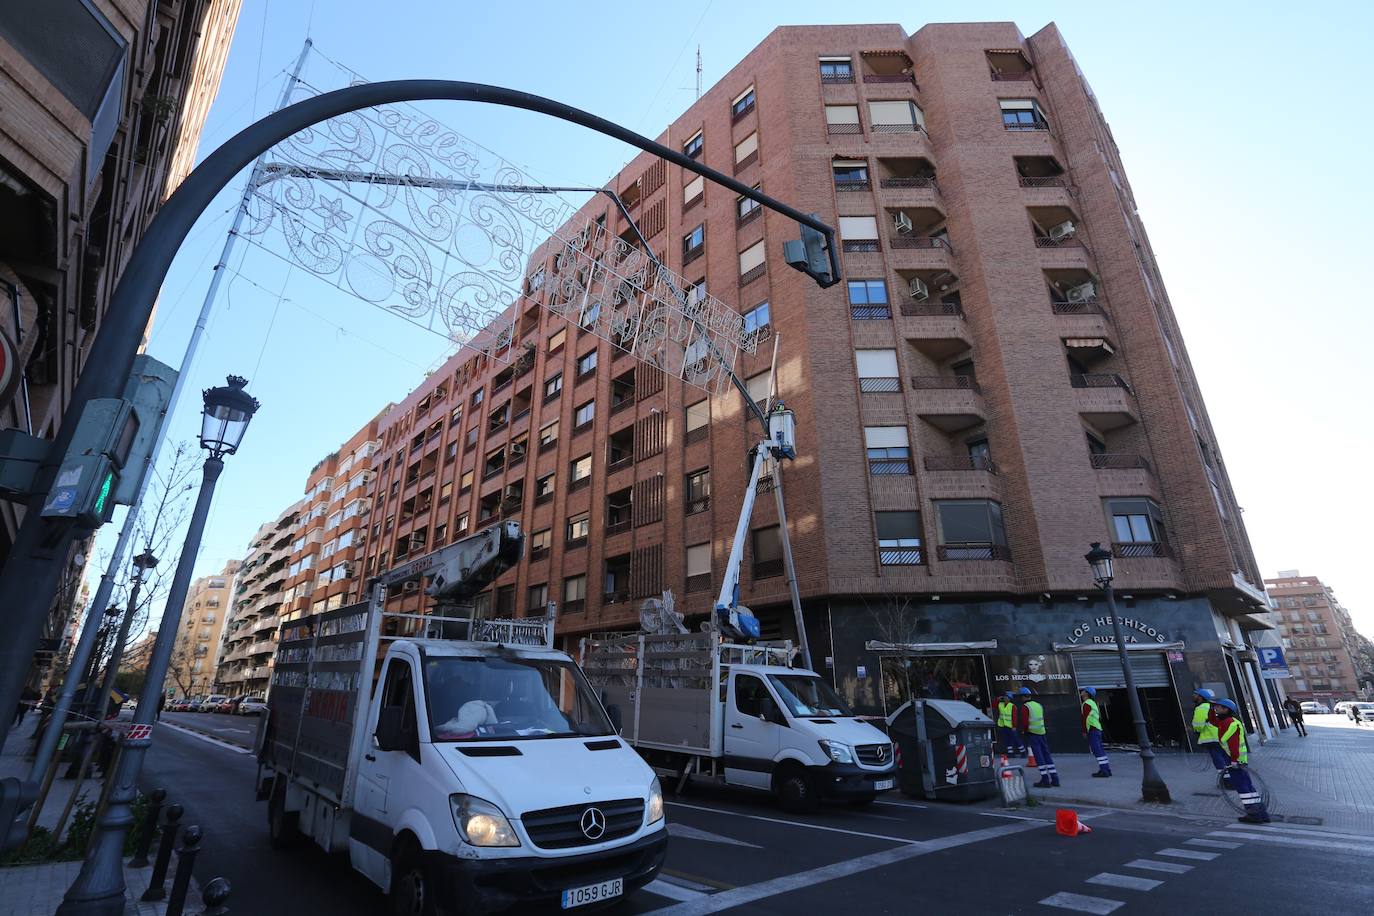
x=1213, y=844
x=1015, y=817
x=685, y=832
x=1305, y=842
x=747, y=894
x=1173, y=868
x=207, y=739
x=1083, y=903
x=779, y=820
x=672, y=891
x=897, y=804
x=1299, y=831
x=1130, y=882
x=1188, y=854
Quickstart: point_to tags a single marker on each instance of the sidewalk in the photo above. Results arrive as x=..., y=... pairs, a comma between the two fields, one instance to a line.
x=1325, y=779
x=17, y=756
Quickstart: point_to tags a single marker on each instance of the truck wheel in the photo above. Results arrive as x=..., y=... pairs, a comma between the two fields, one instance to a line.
x=796, y=790
x=412, y=889
x=283, y=830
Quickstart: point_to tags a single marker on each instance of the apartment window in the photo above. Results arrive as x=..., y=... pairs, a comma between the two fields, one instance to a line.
x=837, y=70
x=743, y=104
x=899, y=538
x=895, y=117
x=334, y=519
x=693, y=243
x=971, y=529
x=478, y=395
x=543, y=488
x=746, y=151
x=868, y=300
x=548, y=436
x=756, y=319
x=698, y=420
x=346, y=539
x=859, y=233
x=692, y=148
x=583, y=415
x=580, y=470
x=1022, y=114
x=850, y=174
x=751, y=265
x=760, y=386
x=586, y=364
x=889, y=450
x=693, y=190
x=878, y=370
x=470, y=441
x=465, y=482
x=1137, y=527
x=699, y=567
x=842, y=119
x=698, y=493
x=746, y=208
x=553, y=387
x=579, y=527
x=537, y=597
x=539, y=543
x=574, y=594
x=557, y=339
x=767, y=544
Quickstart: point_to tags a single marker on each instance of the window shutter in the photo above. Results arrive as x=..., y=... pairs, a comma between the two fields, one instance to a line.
x=886, y=437
x=876, y=363
x=1017, y=104
x=902, y=112
x=699, y=560
x=894, y=526
x=694, y=187
x=842, y=114
x=759, y=385
x=749, y=144
x=858, y=228
x=752, y=257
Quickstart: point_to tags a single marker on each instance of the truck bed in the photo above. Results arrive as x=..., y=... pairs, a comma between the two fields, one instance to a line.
x=667, y=688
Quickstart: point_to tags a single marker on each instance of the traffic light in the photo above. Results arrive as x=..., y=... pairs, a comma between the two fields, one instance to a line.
x=811, y=255
x=84, y=489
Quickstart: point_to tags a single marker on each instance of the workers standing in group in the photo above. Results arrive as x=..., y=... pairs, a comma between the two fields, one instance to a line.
x=1207, y=737
x=1005, y=716
x=1031, y=721
x=1232, y=733
x=1092, y=727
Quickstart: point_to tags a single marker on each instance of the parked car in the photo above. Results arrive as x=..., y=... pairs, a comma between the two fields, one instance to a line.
x=1343, y=708
x=252, y=706
x=194, y=705
x=1362, y=712
x=229, y=705
x=177, y=705
x=212, y=702
x=1312, y=707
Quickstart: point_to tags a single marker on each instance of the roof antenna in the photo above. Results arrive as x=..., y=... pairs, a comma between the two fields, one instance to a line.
x=698, y=72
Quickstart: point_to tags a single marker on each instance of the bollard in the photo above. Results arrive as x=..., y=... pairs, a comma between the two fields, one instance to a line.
x=186, y=860
x=157, y=882
x=145, y=839
x=214, y=896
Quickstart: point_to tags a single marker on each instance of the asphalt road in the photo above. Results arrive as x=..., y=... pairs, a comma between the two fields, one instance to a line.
x=736, y=852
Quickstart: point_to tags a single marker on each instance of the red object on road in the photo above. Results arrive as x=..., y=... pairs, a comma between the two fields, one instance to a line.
x=1066, y=823
x=139, y=732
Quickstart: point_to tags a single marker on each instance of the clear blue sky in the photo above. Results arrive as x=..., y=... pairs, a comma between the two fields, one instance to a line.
x=1241, y=127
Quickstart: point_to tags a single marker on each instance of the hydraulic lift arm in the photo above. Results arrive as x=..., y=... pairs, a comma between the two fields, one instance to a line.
x=459, y=571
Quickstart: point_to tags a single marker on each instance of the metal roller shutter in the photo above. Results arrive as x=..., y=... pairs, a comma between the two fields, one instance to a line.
x=1103, y=669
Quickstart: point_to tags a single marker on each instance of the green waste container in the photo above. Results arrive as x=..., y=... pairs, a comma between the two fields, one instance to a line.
x=944, y=750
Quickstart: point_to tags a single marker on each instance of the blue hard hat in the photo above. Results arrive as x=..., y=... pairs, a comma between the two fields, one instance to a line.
x=1007, y=694
x=1231, y=705
x=1204, y=693
x=1024, y=691
x=1090, y=691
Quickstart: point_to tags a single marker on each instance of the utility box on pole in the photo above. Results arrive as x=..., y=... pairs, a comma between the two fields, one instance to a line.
x=149, y=390
x=88, y=477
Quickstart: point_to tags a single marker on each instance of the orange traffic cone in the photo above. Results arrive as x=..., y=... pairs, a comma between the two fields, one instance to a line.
x=1030, y=758
x=1066, y=823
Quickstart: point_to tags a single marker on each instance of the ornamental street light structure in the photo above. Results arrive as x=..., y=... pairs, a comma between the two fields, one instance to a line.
x=142, y=563
x=99, y=888
x=1152, y=787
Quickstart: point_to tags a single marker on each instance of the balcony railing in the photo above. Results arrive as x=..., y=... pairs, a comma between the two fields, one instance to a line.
x=1064, y=241
x=548, y=445
x=920, y=241
x=907, y=181
x=691, y=254
x=1136, y=549
x=538, y=553
x=843, y=129
x=870, y=312
x=901, y=556
x=765, y=485
x=837, y=77
x=618, y=527
x=580, y=483
x=1044, y=181
x=973, y=551
x=1119, y=462
x=620, y=464
x=746, y=162
x=1099, y=380
x=904, y=128
x=889, y=78
x=701, y=504
x=699, y=434
x=932, y=310
x=575, y=543
x=880, y=385
x=854, y=185
x=768, y=569
x=1026, y=125
x=1013, y=76
x=744, y=218
x=939, y=382
x=752, y=274
x=574, y=605
x=615, y=597
x=961, y=463
x=699, y=583
x=693, y=202
x=1080, y=307
x=618, y=406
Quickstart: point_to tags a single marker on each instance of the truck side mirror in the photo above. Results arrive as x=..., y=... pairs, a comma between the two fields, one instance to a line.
x=390, y=733
x=613, y=713
x=774, y=715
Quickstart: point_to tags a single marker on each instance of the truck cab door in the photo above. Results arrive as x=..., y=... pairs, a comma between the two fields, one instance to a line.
x=752, y=732
x=370, y=832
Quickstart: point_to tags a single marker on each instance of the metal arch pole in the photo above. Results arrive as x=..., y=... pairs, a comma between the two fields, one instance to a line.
x=48, y=746
x=790, y=566
x=32, y=569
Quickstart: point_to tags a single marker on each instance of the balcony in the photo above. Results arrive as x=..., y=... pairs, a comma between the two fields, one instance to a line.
x=944, y=382
x=701, y=504
x=961, y=463
x=889, y=467
x=768, y=569
x=1099, y=380
x=574, y=605
x=887, y=67
x=1009, y=65
x=1140, y=549
x=1088, y=306
x=901, y=556
x=946, y=308
x=973, y=551
x=949, y=403
x=1108, y=461
x=699, y=583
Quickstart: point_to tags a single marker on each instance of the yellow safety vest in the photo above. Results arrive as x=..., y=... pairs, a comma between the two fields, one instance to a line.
x=1005, y=709
x=1036, y=719
x=1094, y=720
x=1231, y=729
x=1206, y=731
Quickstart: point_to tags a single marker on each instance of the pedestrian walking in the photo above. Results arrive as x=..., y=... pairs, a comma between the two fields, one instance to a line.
x=1092, y=727
x=161, y=701
x=1207, y=737
x=1294, y=710
x=1031, y=717
x=1005, y=710
x=1232, y=734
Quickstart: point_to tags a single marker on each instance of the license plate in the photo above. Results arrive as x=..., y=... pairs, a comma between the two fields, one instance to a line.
x=580, y=896
x=882, y=785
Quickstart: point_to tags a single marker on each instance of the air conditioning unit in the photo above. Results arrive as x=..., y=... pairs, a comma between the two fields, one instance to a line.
x=919, y=291
x=902, y=222
x=1063, y=230
x=1082, y=292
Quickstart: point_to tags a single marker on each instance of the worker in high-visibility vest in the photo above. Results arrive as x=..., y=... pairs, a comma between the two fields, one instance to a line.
x=1005, y=709
x=1031, y=721
x=1232, y=732
x=1207, y=737
x=1092, y=727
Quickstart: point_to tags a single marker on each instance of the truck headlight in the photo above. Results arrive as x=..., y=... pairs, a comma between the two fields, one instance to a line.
x=655, y=802
x=480, y=822
x=840, y=753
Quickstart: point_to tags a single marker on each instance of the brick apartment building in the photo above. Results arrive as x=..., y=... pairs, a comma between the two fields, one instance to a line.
x=101, y=110
x=250, y=633
x=999, y=381
x=194, y=654
x=1319, y=639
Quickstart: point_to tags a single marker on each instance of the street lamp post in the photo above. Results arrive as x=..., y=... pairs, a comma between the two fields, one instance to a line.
x=99, y=888
x=1152, y=787
x=142, y=563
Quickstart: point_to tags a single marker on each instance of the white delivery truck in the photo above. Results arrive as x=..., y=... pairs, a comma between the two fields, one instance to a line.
x=702, y=709
x=458, y=774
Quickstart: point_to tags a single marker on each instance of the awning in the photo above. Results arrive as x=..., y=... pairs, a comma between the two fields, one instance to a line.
x=922, y=648
x=891, y=52
x=1091, y=342
x=1111, y=646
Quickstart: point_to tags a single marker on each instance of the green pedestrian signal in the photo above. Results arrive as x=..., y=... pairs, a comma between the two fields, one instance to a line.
x=104, y=495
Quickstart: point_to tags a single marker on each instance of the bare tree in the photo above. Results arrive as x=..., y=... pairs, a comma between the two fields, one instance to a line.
x=894, y=619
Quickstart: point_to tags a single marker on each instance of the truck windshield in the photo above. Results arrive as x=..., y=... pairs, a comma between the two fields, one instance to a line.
x=807, y=697
x=483, y=699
